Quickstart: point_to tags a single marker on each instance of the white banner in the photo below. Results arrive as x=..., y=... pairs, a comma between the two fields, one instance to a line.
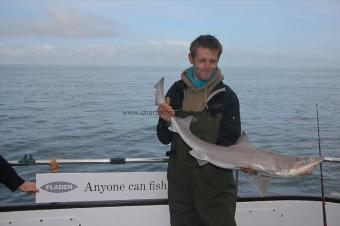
x=70, y=187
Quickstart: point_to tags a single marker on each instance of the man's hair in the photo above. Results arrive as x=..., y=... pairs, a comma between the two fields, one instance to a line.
x=205, y=41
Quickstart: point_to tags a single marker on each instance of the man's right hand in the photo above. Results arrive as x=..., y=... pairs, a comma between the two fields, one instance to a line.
x=165, y=111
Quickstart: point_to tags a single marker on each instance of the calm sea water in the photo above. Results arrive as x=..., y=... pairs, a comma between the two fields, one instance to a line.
x=103, y=112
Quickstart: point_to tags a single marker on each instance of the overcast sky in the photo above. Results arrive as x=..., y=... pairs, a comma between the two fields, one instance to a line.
x=268, y=33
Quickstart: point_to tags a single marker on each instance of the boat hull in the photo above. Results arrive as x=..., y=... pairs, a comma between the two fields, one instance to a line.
x=275, y=210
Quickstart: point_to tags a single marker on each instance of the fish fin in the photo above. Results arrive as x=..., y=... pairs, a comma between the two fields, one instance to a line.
x=160, y=83
x=172, y=128
x=189, y=119
x=244, y=139
x=159, y=92
x=201, y=162
x=194, y=119
x=260, y=182
x=186, y=121
x=200, y=159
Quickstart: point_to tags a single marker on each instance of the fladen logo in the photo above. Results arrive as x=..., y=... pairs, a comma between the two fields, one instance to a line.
x=59, y=187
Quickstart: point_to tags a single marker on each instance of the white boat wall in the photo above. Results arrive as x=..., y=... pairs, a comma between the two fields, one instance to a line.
x=265, y=211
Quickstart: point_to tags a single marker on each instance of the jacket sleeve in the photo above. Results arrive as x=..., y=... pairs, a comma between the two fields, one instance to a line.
x=230, y=129
x=8, y=176
x=163, y=133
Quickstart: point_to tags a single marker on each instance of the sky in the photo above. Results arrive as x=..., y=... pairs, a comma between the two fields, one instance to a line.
x=267, y=33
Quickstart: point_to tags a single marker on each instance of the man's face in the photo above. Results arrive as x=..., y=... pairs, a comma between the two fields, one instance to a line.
x=205, y=63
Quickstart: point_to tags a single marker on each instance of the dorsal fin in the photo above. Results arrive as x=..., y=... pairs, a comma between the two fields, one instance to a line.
x=243, y=139
x=187, y=120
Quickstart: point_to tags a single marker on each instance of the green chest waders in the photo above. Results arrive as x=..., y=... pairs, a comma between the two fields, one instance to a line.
x=199, y=195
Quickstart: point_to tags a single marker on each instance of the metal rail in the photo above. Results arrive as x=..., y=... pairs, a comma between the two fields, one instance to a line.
x=29, y=161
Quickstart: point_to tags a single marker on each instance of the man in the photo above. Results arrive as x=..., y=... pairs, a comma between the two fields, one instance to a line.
x=12, y=180
x=201, y=195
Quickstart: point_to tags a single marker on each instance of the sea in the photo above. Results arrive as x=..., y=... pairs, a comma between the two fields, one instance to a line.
x=100, y=112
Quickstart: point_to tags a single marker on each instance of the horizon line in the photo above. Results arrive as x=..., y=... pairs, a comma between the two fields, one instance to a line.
x=172, y=66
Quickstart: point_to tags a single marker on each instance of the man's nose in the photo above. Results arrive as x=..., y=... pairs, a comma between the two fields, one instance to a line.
x=207, y=65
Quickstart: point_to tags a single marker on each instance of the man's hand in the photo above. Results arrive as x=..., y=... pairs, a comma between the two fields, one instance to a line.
x=248, y=171
x=165, y=111
x=29, y=187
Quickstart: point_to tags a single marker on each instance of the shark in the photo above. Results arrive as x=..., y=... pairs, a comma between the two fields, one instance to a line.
x=243, y=154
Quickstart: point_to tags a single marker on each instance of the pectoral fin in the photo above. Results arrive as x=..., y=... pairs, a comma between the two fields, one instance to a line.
x=172, y=128
x=200, y=158
x=260, y=182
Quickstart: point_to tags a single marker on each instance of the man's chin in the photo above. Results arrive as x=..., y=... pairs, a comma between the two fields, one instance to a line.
x=205, y=77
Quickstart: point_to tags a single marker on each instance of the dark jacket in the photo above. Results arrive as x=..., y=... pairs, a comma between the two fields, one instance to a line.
x=8, y=176
x=225, y=103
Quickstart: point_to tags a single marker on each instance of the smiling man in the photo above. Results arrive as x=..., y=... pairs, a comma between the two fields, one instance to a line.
x=201, y=195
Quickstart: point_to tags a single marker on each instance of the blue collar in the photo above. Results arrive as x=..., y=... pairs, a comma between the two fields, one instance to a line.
x=199, y=83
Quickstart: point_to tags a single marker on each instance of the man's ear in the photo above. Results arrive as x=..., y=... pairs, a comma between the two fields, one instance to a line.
x=191, y=59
